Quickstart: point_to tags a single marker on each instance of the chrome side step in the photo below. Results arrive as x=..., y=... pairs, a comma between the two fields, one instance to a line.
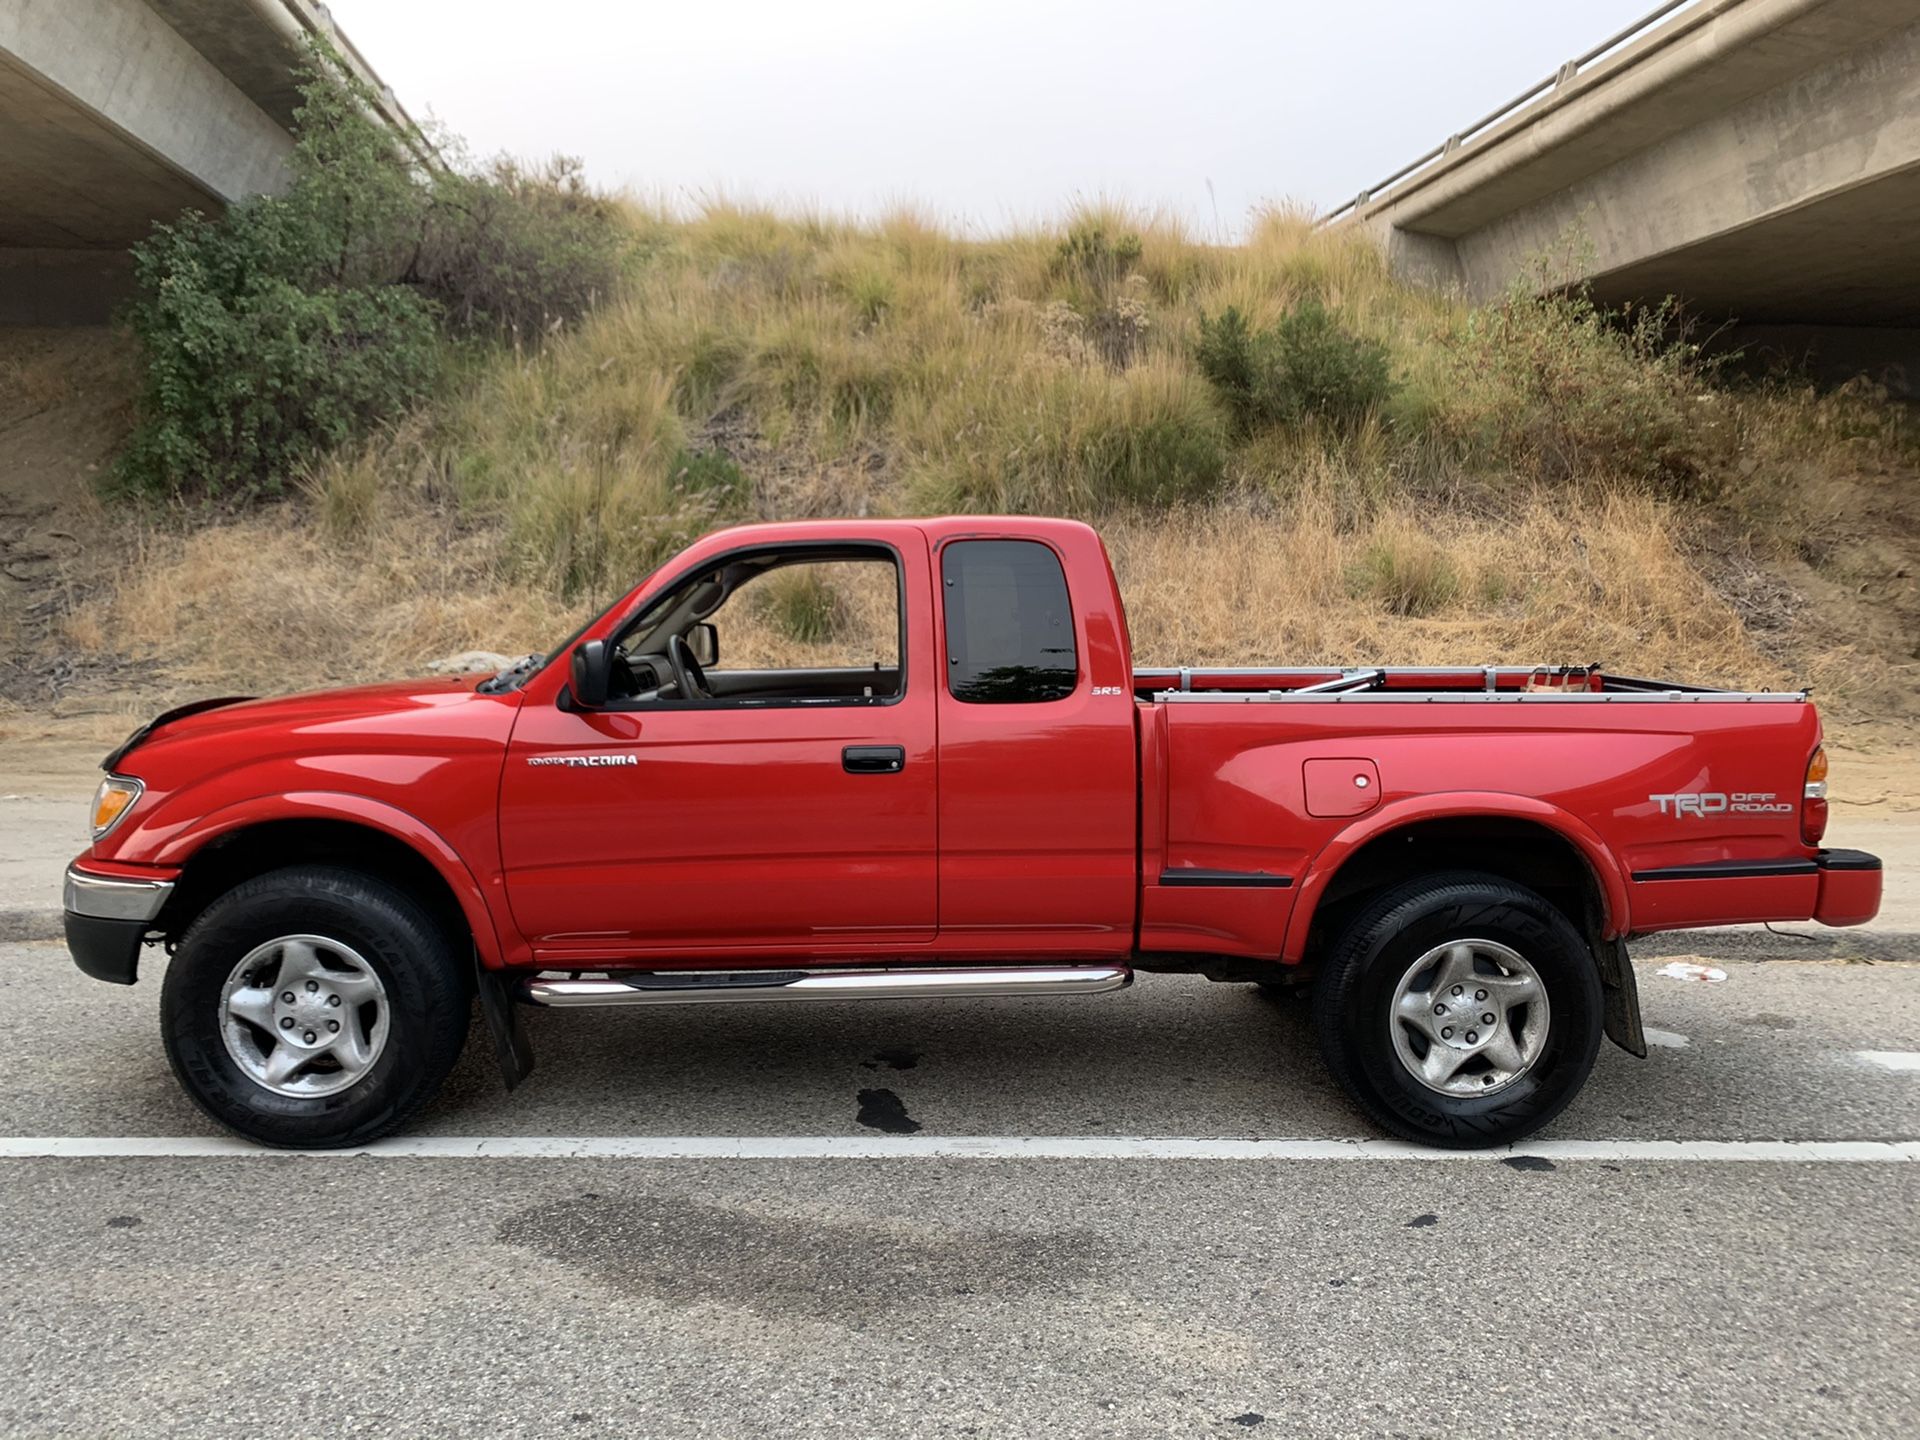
x=730, y=986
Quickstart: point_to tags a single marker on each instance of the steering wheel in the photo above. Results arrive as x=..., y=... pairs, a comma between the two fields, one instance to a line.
x=688, y=678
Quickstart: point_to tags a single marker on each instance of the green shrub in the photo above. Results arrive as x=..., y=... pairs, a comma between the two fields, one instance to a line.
x=801, y=604
x=1060, y=439
x=1090, y=254
x=517, y=249
x=1306, y=365
x=1407, y=573
x=1103, y=313
x=711, y=475
x=293, y=323
x=1553, y=387
x=249, y=374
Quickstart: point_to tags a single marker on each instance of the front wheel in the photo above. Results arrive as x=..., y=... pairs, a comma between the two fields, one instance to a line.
x=1460, y=1010
x=314, y=1007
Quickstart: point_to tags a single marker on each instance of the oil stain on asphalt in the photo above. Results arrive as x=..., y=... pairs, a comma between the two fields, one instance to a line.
x=883, y=1110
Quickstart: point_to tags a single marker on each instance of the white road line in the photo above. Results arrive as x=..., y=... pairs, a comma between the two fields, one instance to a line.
x=952, y=1147
x=1891, y=1059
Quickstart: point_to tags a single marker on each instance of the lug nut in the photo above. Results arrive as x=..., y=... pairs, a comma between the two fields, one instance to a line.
x=1472, y=1036
x=333, y=1000
x=311, y=1037
x=287, y=996
x=1487, y=1019
x=1479, y=994
x=1458, y=988
x=287, y=1024
x=334, y=1026
x=1447, y=1034
x=312, y=985
x=1439, y=1009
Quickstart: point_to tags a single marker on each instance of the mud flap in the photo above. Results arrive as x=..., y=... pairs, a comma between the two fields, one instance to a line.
x=1622, y=997
x=511, y=1048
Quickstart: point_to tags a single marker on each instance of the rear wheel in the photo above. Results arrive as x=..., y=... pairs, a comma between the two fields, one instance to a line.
x=314, y=1007
x=1460, y=1010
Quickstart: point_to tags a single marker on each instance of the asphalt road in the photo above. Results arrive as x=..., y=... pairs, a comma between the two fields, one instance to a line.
x=926, y=1296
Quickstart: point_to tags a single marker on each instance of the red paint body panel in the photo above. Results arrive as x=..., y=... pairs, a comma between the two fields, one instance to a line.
x=1110, y=822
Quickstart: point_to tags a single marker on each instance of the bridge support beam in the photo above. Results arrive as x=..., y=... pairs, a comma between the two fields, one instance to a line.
x=1758, y=159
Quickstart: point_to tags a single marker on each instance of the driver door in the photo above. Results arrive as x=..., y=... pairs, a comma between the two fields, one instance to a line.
x=768, y=820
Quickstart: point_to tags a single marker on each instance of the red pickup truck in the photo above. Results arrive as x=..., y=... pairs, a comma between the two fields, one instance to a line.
x=863, y=759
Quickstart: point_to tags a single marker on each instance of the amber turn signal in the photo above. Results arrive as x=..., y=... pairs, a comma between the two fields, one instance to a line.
x=111, y=801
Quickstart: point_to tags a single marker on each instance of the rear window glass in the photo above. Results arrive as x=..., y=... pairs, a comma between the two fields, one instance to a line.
x=1009, y=624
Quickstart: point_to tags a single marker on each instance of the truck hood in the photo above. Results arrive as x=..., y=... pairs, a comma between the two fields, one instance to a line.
x=325, y=716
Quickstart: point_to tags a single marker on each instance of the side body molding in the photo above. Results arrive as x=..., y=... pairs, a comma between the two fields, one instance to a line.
x=1465, y=804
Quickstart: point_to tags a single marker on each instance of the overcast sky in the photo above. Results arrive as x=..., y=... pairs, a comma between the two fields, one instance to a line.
x=986, y=113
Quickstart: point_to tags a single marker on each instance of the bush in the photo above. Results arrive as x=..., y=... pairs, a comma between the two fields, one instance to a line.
x=250, y=374
x=514, y=249
x=710, y=475
x=1307, y=365
x=1089, y=254
x=1058, y=439
x=1555, y=388
x=292, y=323
x=1103, y=315
x=802, y=605
x=1406, y=572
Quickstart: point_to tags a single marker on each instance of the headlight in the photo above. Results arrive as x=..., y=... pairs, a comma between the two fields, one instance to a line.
x=112, y=800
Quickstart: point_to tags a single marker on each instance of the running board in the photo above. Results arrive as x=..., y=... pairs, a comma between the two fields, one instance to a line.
x=730, y=986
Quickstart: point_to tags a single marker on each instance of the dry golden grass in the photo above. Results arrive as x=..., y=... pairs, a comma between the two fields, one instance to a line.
x=263, y=605
x=1594, y=582
x=895, y=368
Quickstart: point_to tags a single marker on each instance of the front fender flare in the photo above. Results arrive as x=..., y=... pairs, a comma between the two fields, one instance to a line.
x=390, y=820
x=1466, y=804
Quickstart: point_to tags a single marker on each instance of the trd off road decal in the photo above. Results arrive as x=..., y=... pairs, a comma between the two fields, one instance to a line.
x=583, y=762
x=1701, y=804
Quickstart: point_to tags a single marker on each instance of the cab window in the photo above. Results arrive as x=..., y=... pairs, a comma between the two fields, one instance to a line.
x=1009, y=623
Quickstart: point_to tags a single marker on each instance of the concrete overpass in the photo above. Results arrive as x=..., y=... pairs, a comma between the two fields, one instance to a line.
x=1759, y=159
x=118, y=113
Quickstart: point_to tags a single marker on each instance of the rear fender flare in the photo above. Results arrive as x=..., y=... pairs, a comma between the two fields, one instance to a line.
x=1607, y=874
x=391, y=821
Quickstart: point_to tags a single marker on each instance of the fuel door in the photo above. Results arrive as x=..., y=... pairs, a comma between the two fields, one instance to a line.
x=1341, y=787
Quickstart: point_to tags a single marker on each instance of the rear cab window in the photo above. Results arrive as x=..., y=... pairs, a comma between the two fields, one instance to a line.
x=1009, y=623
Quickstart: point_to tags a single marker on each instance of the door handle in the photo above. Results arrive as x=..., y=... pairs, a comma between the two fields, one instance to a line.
x=873, y=759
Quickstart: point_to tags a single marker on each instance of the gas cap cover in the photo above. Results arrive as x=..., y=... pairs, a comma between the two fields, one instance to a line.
x=1341, y=787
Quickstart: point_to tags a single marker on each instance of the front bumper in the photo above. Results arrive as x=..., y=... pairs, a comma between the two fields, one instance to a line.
x=1849, y=887
x=107, y=916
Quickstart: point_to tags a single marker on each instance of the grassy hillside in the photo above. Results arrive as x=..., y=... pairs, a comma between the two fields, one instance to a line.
x=1523, y=482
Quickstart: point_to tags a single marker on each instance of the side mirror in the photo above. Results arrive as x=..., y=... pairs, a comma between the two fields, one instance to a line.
x=592, y=671
x=704, y=641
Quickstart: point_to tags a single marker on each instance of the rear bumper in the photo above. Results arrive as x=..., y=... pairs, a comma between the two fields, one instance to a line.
x=106, y=918
x=1849, y=887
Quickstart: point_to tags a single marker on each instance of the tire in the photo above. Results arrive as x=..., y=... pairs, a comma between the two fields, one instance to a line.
x=1373, y=1051
x=355, y=954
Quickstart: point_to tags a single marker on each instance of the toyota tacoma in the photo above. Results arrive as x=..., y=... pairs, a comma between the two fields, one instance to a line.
x=912, y=758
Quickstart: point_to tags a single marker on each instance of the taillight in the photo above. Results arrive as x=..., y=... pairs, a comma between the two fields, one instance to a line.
x=1813, y=809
